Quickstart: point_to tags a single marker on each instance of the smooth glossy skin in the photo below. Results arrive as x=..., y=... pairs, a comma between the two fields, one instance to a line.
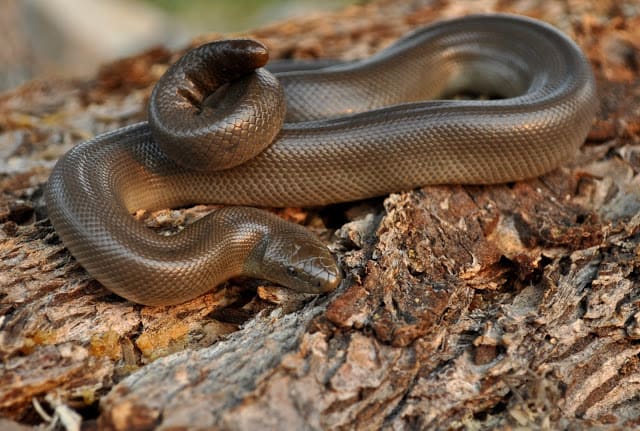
x=352, y=131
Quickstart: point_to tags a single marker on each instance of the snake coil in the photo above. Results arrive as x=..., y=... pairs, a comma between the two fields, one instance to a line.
x=349, y=131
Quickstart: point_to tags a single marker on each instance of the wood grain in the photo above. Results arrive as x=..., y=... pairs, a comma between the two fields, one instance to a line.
x=467, y=307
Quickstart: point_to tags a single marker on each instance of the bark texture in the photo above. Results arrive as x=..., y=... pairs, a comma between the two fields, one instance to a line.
x=513, y=306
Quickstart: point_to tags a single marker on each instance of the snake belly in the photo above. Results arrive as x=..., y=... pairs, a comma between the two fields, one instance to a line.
x=352, y=131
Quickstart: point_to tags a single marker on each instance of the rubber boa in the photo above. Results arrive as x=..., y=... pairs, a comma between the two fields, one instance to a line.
x=315, y=136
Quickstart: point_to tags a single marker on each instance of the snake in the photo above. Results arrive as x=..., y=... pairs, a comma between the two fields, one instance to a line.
x=223, y=129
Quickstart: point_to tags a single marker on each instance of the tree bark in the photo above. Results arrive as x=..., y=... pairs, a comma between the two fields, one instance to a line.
x=514, y=306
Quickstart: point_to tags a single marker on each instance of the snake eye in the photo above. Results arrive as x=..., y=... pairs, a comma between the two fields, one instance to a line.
x=291, y=270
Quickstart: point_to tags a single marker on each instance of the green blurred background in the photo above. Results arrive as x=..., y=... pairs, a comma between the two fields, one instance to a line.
x=43, y=39
x=239, y=15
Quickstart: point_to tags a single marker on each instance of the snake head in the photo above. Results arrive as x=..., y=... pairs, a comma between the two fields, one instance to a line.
x=296, y=259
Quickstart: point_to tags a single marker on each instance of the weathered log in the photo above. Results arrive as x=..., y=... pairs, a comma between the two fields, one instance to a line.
x=465, y=307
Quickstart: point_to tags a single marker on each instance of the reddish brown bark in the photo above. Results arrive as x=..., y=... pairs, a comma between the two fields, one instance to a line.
x=505, y=306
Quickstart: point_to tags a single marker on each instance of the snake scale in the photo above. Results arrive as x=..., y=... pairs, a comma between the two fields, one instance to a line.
x=316, y=136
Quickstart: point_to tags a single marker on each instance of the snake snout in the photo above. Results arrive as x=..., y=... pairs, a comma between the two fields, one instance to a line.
x=296, y=259
x=312, y=273
x=328, y=274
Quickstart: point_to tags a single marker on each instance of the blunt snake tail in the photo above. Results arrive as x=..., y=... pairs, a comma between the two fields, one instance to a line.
x=330, y=134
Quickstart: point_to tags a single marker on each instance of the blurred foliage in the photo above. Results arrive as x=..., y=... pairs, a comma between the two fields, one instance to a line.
x=238, y=15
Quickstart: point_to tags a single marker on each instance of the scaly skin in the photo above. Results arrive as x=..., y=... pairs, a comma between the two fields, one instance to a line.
x=350, y=131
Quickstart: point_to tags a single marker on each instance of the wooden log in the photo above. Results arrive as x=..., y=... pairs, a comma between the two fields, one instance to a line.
x=465, y=307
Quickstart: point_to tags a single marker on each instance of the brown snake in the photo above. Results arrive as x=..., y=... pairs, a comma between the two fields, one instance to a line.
x=351, y=131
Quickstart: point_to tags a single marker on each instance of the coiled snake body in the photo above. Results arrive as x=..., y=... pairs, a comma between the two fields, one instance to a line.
x=352, y=131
